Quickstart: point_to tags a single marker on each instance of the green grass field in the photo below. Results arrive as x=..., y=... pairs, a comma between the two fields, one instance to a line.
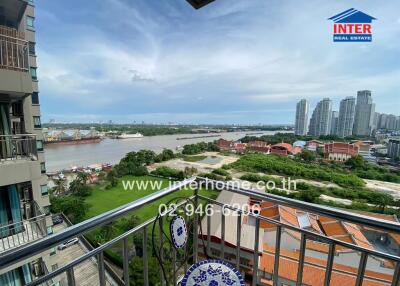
x=102, y=200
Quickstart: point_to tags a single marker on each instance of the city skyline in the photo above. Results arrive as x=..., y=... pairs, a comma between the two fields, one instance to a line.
x=356, y=116
x=226, y=63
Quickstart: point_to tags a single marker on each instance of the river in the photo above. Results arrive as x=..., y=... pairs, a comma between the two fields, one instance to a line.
x=59, y=157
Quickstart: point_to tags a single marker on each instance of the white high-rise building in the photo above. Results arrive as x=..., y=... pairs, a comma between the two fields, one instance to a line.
x=334, y=122
x=301, y=124
x=365, y=112
x=346, y=116
x=320, y=123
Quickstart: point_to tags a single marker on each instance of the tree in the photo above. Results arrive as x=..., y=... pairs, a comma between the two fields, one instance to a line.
x=382, y=200
x=356, y=162
x=72, y=206
x=112, y=178
x=79, y=188
x=190, y=171
x=308, y=156
x=60, y=187
x=129, y=222
x=310, y=196
x=82, y=177
x=136, y=271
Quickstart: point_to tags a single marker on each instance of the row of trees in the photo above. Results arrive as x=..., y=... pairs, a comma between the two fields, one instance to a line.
x=291, y=138
x=134, y=163
x=193, y=149
x=281, y=165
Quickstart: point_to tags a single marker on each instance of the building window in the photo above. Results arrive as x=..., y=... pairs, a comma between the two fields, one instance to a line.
x=33, y=73
x=43, y=167
x=31, y=48
x=35, y=97
x=49, y=230
x=53, y=251
x=30, y=22
x=39, y=145
x=36, y=122
x=44, y=190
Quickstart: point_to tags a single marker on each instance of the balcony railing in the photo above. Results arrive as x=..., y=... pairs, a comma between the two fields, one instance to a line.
x=14, y=147
x=16, y=234
x=201, y=244
x=13, y=50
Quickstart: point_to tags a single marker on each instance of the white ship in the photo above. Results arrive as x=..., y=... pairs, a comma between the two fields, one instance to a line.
x=128, y=136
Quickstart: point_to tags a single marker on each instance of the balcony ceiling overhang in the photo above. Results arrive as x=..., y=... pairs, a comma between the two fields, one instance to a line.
x=197, y=4
x=12, y=10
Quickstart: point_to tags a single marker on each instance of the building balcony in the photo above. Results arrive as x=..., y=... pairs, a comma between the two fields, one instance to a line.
x=257, y=243
x=32, y=227
x=18, y=147
x=14, y=63
x=18, y=159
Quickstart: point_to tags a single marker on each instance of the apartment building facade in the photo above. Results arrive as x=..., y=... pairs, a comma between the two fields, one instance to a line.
x=320, y=123
x=24, y=200
x=346, y=117
x=301, y=125
x=365, y=114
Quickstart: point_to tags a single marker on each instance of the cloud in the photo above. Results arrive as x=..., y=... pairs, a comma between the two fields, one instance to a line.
x=119, y=59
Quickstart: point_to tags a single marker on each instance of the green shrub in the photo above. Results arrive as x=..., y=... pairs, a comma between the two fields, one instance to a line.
x=168, y=172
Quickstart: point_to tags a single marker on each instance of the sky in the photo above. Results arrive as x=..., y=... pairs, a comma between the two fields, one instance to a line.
x=232, y=62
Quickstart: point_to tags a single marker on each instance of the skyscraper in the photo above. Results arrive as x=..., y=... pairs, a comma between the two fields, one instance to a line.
x=24, y=197
x=320, y=123
x=346, y=116
x=301, y=124
x=334, y=122
x=391, y=122
x=365, y=112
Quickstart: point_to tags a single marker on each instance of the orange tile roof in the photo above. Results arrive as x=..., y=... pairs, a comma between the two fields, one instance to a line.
x=314, y=270
x=357, y=235
x=334, y=228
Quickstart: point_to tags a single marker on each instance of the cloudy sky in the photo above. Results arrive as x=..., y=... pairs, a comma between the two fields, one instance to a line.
x=241, y=61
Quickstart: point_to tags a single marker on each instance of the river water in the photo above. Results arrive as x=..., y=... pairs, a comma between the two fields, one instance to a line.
x=59, y=157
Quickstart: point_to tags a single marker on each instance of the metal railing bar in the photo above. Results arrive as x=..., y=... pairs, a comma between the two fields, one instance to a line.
x=396, y=275
x=277, y=254
x=310, y=233
x=126, y=261
x=195, y=225
x=329, y=264
x=208, y=234
x=222, y=245
x=238, y=238
x=12, y=38
x=301, y=259
x=91, y=253
x=314, y=208
x=17, y=135
x=70, y=277
x=174, y=266
x=145, y=259
x=255, y=254
x=161, y=235
x=336, y=270
x=361, y=269
x=102, y=272
x=22, y=253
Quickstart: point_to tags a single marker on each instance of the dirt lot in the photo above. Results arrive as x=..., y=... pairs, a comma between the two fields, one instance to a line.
x=202, y=167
